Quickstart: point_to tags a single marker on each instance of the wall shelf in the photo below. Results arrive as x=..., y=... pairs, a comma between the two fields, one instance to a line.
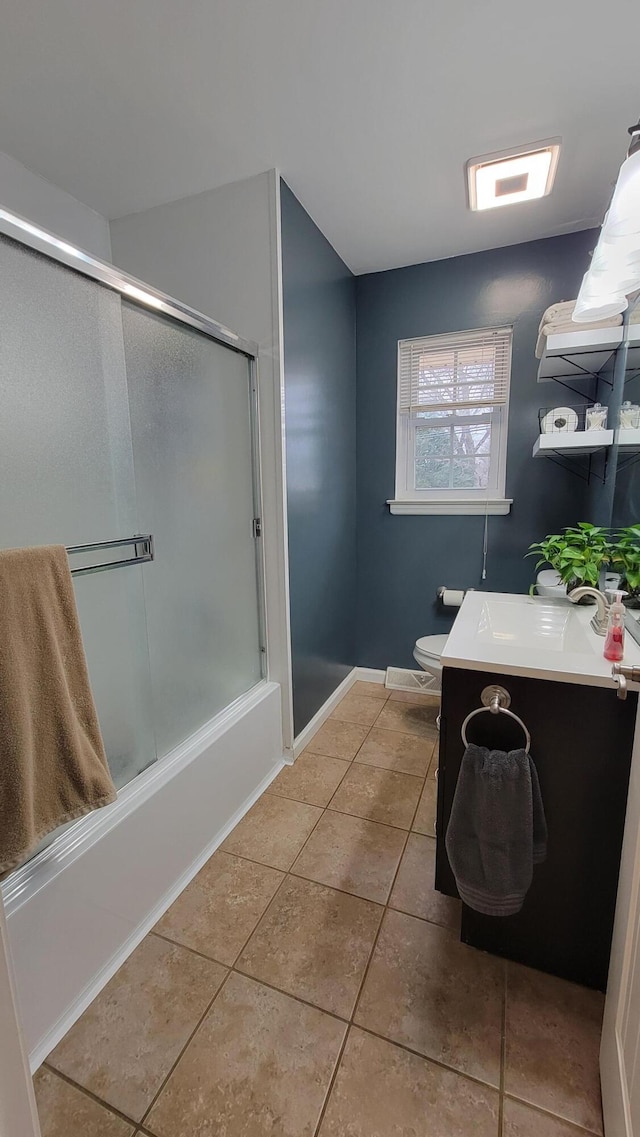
x=583, y=354
x=574, y=443
x=629, y=441
x=572, y=359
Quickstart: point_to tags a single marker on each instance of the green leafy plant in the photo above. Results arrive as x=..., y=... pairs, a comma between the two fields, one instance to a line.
x=626, y=557
x=577, y=554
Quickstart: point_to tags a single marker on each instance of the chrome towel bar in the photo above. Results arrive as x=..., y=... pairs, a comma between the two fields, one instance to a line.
x=497, y=701
x=142, y=545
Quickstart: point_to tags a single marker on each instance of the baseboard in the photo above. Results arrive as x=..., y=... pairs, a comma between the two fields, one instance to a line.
x=321, y=716
x=64, y=1024
x=370, y=675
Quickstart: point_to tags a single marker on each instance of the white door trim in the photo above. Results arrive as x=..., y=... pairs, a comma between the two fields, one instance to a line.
x=624, y=963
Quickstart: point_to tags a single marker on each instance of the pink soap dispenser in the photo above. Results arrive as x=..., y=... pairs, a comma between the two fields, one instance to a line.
x=614, y=642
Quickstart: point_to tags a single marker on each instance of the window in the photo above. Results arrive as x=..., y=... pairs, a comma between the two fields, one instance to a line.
x=453, y=394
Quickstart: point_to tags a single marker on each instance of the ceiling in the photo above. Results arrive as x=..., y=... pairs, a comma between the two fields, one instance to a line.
x=370, y=108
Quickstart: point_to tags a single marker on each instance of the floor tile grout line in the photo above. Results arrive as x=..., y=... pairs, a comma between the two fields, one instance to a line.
x=336, y=888
x=272, y=792
x=388, y=730
x=402, y=828
x=288, y=995
x=349, y=762
x=433, y=1061
x=503, y=1050
x=332, y=1081
x=321, y=884
x=307, y=838
x=380, y=686
x=365, y=738
x=389, y=769
x=184, y=1048
x=353, y=722
x=377, y=937
x=278, y=868
x=286, y=874
x=213, y=959
x=367, y=766
x=354, y=759
x=88, y=1093
x=187, y=947
x=251, y=860
x=351, y=1023
x=579, y=1129
x=357, y=816
x=425, y=920
x=415, y=812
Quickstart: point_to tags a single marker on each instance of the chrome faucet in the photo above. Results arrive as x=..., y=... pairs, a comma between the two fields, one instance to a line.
x=600, y=621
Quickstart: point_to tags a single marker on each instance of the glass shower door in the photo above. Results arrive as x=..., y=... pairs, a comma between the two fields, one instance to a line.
x=116, y=420
x=66, y=472
x=191, y=421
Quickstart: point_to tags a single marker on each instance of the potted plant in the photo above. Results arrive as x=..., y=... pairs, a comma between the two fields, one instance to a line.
x=626, y=558
x=578, y=554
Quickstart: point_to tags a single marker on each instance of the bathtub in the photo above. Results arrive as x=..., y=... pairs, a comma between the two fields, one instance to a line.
x=80, y=907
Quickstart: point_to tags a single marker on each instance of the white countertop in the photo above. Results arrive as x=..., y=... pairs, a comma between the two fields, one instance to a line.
x=543, y=639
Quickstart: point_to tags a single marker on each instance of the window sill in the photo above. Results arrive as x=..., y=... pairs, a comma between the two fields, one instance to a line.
x=494, y=507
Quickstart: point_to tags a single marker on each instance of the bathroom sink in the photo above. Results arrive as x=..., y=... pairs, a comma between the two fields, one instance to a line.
x=543, y=625
x=520, y=635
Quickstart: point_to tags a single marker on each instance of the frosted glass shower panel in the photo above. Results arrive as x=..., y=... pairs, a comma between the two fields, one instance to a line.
x=192, y=442
x=66, y=471
x=66, y=463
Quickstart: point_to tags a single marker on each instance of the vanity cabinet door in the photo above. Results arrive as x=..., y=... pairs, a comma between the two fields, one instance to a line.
x=581, y=742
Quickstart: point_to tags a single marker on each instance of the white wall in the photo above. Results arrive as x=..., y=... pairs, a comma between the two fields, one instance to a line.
x=219, y=253
x=29, y=195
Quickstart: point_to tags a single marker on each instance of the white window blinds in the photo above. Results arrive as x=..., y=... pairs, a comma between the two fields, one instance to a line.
x=464, y=369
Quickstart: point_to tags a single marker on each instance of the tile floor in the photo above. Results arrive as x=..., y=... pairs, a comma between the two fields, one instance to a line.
x=310, y=981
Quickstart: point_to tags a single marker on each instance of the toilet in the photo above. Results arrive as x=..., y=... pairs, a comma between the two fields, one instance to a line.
x=427, y=653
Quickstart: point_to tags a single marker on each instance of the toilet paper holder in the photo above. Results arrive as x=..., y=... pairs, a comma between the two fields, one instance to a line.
x=454, y=598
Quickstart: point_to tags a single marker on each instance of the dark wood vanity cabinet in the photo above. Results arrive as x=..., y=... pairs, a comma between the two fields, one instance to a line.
x=581, y=742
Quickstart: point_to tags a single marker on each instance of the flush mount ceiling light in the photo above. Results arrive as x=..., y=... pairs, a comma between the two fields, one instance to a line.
x=511, y=176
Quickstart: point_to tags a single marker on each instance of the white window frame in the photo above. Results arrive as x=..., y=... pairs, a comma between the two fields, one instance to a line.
x=489, y=500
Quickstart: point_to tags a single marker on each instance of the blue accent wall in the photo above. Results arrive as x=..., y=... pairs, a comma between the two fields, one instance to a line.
x=320, y=415
x=402, y=560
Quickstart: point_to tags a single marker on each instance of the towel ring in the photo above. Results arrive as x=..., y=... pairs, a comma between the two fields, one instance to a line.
x=495, y=700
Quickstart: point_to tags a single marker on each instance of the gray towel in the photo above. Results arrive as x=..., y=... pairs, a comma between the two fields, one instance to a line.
x=497, y=829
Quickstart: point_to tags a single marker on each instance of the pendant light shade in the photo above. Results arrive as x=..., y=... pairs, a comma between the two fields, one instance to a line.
x=615, y=266
x=623, y=219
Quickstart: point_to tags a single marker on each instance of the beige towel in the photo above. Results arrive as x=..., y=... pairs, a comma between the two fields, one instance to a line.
x=557, y=313
x=53, y=766
x=559, y=327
